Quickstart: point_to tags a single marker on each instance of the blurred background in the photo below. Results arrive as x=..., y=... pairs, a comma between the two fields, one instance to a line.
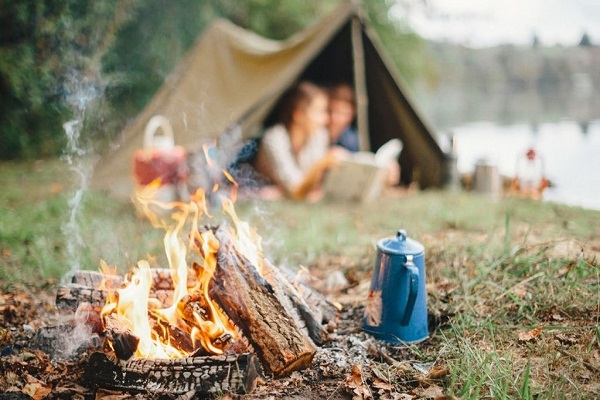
x=493, y=78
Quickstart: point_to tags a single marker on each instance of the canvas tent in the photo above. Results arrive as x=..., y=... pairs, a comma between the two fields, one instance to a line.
x=232, y=75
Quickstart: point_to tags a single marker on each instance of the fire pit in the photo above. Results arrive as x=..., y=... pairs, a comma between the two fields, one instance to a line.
x=215, y=321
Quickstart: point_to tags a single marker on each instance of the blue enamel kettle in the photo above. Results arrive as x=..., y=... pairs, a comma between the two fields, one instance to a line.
x=396, y=309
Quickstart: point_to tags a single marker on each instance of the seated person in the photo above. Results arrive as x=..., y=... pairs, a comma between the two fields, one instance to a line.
x=294, y=153
x=342, y=134
x=342, y=110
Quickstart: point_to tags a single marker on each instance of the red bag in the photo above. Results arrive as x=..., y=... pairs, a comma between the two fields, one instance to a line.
x=160, y=158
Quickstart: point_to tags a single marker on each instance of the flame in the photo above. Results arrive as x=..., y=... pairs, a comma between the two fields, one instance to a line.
x=248, y=241
x=184, y=238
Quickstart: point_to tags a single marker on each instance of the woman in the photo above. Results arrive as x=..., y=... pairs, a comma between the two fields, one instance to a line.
x=294, y=153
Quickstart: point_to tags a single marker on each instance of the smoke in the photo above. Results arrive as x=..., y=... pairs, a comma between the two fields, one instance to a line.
x=82, y=90
x=70, y=339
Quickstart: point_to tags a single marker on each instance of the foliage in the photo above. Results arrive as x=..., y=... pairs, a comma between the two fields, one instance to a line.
x=120, y=52
x=42, y=45
x=406, y=49
x=151, y=44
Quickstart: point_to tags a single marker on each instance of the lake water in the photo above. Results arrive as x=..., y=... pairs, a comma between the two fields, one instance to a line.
x=571, y=154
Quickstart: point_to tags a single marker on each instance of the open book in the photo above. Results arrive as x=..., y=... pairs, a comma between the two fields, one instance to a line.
x=361, y=176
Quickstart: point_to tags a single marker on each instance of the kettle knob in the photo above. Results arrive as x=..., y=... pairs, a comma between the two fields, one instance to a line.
x=401, y=235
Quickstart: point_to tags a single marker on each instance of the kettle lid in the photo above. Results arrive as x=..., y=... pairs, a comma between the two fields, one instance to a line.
x=400, y=244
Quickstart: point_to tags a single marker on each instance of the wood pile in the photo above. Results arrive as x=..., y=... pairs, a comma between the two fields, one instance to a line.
x=280, y=328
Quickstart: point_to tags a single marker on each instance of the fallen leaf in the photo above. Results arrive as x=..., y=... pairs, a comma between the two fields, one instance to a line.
x=379, y=384
x=356, y=384
x=565, y=270
x=432, y=392
x=519, y=291
x=437, y=372
x=567, y=339
x=530, y=335
x=557, y=317
x=35, y=388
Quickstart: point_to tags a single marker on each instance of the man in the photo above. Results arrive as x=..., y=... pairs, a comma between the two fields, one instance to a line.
x=342, y=110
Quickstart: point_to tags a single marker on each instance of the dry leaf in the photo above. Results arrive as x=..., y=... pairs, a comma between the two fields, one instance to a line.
x=565, y=270
x=379, y=384
x=356, y=384
x=36, y=389
x=567, y=339
x=530, y=335
x=105, y=394
x=432, y=392
x=519, y=291
x=438, y=371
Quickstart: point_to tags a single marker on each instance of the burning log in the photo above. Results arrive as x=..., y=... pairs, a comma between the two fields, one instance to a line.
x=250, y=302
x=204, y=375
x=161, y=279
x=72, y=296
x=294, y=304
x=97, y=280
x=122, y=339
x=322, y=309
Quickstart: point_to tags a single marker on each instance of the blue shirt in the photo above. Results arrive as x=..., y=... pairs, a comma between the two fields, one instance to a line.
x=349, y=139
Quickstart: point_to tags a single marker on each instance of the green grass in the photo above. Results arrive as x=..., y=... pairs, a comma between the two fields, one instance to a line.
x=495, y=269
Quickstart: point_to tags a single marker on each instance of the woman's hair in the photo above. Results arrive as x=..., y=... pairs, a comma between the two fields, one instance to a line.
x=342, y=92
x=299, y=97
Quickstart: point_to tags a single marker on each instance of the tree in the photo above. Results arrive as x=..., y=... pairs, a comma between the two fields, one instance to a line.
x=585, y=41
x=42, y=45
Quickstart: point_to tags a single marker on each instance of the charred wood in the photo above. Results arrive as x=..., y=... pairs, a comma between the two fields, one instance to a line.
x=162, y=279
x=118, y=331
x=97, y=280
x=70, y=297
x=204, y=375
x=177, y=337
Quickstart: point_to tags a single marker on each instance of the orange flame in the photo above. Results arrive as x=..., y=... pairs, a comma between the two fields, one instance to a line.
x=181, y=222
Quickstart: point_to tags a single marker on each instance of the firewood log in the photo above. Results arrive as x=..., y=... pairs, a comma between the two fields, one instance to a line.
x=95, y=279
x=70, y=297
x=250, y=302
x=204, y=375
x=294, y=304
x=323, y=309
x=161, y=279
x=122, y=339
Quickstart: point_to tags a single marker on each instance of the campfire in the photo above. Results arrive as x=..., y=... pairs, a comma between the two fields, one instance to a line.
x=217, y=319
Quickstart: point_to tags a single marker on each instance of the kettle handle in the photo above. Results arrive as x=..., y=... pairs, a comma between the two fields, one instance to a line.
x=413, y=285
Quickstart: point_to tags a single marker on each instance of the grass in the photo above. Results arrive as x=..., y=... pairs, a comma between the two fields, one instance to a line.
x=495, y=269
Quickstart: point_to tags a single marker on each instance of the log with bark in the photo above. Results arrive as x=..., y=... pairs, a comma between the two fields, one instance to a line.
x=71, y=296
x=161, y=279
x=289, y=297
x=202, y=375
x=249, y=300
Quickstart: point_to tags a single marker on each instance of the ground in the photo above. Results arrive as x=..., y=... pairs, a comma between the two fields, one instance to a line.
x=353, y=365
x=513, y=290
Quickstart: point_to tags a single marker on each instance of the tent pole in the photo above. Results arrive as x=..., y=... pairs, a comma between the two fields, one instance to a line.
x=360, y=86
